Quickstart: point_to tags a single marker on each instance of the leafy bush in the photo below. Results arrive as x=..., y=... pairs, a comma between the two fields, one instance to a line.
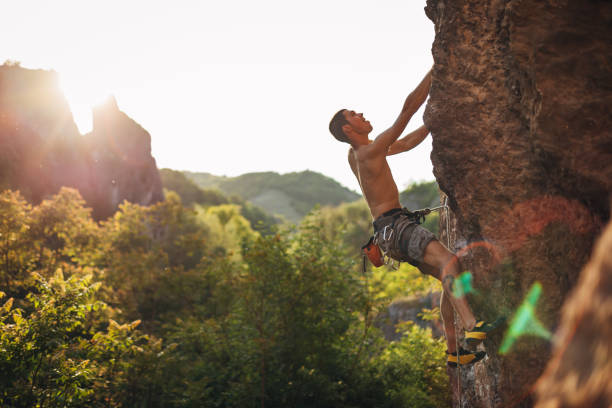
x=52, y=356
x=412, y=370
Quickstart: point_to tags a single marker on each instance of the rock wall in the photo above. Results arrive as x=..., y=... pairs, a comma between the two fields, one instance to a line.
x=520, y=112
x=40, y=145
x=42, y=150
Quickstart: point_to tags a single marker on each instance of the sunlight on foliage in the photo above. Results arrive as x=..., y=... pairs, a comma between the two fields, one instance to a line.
x=405, y=281
x=430, y=314
x=413, y=370
x=463, y=285
x=168, y=306
x=228, y=228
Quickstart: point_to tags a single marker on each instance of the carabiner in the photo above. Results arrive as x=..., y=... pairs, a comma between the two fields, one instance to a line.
x=385, y=233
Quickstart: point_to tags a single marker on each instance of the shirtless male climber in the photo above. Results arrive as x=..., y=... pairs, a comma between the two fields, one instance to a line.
x=397, y=234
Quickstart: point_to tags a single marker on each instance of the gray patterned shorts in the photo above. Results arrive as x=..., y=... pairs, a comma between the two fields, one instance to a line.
x=401, y=238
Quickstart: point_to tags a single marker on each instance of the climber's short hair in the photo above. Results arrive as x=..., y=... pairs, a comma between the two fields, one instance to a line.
x=335, y=126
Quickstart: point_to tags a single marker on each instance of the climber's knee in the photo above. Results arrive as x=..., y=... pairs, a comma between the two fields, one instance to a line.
x=438, y=256
x=448, y=280
x=429, y=270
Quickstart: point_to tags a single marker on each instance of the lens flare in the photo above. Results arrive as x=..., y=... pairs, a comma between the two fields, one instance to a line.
x=525, y=321
x=463, y=285
x=529, y=218
x=83, y=92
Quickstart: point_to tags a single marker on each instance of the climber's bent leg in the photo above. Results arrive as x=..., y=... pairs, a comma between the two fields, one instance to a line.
x=447, y=266
x=448, y=321
x=464, y=357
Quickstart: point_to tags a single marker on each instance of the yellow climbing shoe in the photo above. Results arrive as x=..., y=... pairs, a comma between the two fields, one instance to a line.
x=475, y=336
x=465, y=357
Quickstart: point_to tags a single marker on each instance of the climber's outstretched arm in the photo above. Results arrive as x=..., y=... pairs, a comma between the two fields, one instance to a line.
x=409, y=141
x=411, y=105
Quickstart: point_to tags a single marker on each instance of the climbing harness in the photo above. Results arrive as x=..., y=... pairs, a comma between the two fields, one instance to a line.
x=372, y=250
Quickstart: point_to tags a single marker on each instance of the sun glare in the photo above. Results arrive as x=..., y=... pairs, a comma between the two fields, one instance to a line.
x=82, y=95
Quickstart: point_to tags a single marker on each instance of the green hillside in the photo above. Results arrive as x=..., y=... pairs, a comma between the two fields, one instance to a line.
x=191, y=194
x=420, y=195
x=291, y=195
x=205, y=180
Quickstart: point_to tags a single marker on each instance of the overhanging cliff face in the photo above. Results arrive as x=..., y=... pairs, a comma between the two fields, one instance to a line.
x=41, y=149
x=520, y=115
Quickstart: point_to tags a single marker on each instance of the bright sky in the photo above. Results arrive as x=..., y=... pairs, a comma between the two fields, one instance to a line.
x=234, y=86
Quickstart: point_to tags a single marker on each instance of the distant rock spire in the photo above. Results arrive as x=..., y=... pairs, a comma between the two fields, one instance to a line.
x=110, y=103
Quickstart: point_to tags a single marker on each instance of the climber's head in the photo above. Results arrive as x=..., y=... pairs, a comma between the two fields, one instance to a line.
x=336, y=125
x=348, y=126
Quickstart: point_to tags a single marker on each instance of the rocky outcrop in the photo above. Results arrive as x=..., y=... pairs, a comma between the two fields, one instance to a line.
x=520, y=112
x=120, y=152
x=409, y=309
x=40, y=145
x=42, y=150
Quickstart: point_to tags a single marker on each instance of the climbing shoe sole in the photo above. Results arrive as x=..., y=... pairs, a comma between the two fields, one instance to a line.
x=466, y=358
x=480, y=331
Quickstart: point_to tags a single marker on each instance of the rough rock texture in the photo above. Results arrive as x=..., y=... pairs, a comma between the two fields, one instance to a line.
x=520, y=112
x=580, y=372
x=41, y=148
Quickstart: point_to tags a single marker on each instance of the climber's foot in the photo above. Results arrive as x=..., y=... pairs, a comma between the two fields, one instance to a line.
x=466, y=358
x=480, y=331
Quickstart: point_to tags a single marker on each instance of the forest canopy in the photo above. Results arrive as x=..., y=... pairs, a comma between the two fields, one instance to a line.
x=175, y=306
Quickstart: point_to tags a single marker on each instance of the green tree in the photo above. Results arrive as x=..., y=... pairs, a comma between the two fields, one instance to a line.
x=145, y=254
x=62, y=230
x=286, y=320
x=39, y=359
x=349, y=223
x=228, y=228
x=16, y=252
x=52, y=356
x=413, y=370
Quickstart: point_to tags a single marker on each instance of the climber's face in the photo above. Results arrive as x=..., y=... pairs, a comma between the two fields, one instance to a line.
x=357, y=123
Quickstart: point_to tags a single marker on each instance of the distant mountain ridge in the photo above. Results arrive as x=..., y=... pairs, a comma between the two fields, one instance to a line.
x=291, y=195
